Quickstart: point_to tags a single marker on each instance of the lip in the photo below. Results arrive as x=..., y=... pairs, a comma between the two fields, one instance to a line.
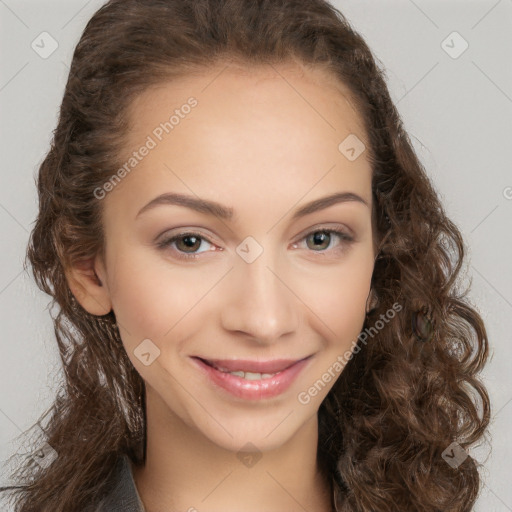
x=254, y=389
x=233, y=365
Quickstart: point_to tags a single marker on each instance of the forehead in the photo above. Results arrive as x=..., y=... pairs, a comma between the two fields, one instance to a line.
x=242, y=90
x=262, y=126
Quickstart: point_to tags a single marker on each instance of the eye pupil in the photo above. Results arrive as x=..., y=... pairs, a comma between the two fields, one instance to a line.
x=319, y=237
x=190, y=245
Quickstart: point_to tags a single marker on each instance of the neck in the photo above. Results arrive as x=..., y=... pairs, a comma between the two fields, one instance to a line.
x=185, y=470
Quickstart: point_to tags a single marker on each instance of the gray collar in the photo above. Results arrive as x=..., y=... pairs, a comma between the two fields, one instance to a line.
x=123, y=496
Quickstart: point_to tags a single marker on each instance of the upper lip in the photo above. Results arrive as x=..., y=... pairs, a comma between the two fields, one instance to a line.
x=233, y=365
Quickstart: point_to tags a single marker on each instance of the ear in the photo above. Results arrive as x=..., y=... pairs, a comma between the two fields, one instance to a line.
x=87, y=282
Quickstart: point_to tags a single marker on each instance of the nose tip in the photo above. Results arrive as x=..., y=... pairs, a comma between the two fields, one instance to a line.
x=259, y=303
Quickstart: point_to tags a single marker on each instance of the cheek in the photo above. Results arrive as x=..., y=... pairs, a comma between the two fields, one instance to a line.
x=157, y=301
x=153, y=300
x=339, y=300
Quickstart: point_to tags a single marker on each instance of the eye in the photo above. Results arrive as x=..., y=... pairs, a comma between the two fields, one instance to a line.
x=320, y=239
x=186, y=244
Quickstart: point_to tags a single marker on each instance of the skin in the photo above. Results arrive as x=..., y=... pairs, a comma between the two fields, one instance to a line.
x=264, y=142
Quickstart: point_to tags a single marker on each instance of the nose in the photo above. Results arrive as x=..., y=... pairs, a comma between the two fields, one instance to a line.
x=259, y=302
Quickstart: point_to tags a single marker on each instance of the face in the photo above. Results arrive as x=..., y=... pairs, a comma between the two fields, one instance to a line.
x=252, y=274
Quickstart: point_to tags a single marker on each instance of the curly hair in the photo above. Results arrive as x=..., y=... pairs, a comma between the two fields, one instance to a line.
x=397, y=406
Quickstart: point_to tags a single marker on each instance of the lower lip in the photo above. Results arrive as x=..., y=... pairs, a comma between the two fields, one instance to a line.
x=253, y=389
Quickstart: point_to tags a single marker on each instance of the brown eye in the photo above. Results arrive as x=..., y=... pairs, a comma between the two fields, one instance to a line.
x=190, y=242
x=185, y=245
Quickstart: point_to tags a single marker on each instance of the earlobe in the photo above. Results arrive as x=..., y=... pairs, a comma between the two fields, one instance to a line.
x=87, y=287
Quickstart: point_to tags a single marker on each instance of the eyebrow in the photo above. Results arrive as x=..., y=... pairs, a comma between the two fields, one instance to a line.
x=224, y=212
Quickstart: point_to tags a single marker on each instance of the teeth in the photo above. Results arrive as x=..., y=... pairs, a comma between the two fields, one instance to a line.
x=249, y=375
x=252, y=376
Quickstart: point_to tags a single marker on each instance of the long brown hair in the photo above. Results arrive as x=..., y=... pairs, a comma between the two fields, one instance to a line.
x=398, y=404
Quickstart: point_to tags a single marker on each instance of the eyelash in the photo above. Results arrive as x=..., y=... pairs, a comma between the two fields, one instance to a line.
x=166, y=242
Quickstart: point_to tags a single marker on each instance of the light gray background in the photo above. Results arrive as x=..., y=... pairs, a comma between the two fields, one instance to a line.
x=458, y=112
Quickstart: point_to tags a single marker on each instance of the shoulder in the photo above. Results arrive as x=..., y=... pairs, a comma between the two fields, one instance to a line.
x=122, y=495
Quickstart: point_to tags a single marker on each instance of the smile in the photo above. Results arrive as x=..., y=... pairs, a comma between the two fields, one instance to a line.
x=252, y=380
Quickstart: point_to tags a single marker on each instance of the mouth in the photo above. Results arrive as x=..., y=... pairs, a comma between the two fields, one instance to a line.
x=251, y=369
x=250, y=379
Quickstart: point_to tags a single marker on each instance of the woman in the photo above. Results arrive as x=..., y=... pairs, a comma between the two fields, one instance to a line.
x=257, y=282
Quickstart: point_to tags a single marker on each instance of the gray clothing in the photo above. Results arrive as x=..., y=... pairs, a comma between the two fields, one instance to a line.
x=123, y=496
